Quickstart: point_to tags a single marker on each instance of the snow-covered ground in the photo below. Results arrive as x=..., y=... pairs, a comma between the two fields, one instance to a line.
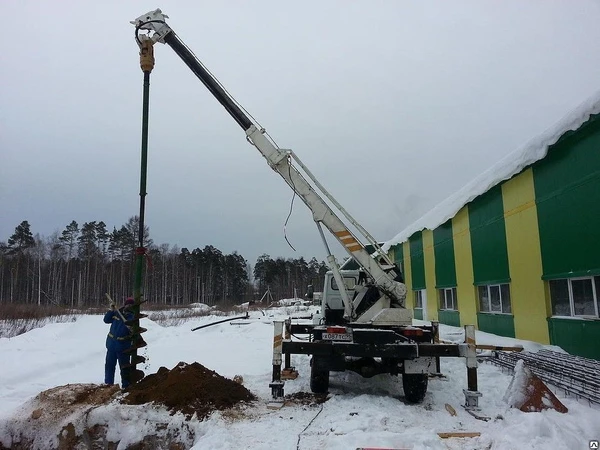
x=359, y=413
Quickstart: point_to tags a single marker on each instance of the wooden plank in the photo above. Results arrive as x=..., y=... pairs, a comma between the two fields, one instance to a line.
x=459, y=434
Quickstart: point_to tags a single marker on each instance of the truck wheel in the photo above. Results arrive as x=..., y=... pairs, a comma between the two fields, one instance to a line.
x=319, y=379
x=415, y=387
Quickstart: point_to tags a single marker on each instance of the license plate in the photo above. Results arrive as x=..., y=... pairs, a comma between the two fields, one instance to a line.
x=337, y=337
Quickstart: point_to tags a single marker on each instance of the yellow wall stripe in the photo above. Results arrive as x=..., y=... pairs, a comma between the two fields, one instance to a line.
x=529, y=305
x=463, y=259
x=429, y=256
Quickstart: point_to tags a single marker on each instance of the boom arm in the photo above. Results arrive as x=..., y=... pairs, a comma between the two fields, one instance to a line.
x=280, y=160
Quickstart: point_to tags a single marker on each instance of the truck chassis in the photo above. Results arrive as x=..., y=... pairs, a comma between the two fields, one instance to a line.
x=411, y=351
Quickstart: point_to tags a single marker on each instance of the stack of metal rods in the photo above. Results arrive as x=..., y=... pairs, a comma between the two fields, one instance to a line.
x=574, y=375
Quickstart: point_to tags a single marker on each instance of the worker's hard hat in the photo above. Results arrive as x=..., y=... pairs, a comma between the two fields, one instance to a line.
x=129, y=301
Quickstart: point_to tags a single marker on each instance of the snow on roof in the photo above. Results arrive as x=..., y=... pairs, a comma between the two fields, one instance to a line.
x=505, y=169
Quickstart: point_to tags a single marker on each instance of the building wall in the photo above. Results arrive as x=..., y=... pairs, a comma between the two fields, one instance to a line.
x=465, y=288
x=432, y=297
x=417, y=266
x=490, y=260
x=408, y=275
x=537, y=228
x=529, y=303
x=567, y=195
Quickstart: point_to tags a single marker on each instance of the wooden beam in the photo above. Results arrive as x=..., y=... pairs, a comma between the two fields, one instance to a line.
x=459, y=434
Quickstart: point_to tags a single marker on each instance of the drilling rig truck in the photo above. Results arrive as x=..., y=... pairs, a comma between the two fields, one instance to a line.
x=363, y=324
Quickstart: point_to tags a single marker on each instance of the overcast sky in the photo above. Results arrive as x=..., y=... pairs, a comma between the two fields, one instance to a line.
x=393, y=105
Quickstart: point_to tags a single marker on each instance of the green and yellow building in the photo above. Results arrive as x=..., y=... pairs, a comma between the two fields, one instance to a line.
x=517, y=251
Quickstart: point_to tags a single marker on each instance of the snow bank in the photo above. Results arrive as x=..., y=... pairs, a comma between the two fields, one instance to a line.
x=506, y=168
x=516, y=393
x=202, y=307
x=360, y=412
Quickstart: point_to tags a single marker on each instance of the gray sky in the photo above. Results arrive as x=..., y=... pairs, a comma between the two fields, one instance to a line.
x=393, y=105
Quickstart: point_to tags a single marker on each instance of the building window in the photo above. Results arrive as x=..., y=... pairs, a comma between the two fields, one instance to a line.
x=575, y=296
x=494, y=298
x=419, y=299
x=448, y=298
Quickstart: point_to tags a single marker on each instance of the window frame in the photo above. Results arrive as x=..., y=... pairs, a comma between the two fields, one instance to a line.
x=418, y=299
x=594, y=280
x=334, y=285
x=489, y=287
x=443, y=297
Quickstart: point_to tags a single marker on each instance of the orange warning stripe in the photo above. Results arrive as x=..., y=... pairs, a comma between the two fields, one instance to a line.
x=277, y=341
x=354, y=248
x=348, y=240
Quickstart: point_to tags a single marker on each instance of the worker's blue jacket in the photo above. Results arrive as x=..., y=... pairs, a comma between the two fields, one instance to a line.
x=118, y=336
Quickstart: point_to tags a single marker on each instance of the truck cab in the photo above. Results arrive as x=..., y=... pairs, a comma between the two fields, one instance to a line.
x=332, y=306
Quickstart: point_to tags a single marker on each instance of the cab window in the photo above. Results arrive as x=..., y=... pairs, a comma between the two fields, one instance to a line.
x=349, y=282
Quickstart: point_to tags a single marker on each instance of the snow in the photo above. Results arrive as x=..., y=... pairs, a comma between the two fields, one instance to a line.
x=507, y=167
x=202, y=307
x=359, y=413
x=516, y=393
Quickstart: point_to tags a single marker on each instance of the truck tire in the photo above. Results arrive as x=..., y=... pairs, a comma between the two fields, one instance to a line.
x=319, y=379
x=415, y=387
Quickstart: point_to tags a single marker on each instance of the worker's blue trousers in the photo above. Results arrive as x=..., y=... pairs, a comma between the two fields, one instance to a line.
x=115, y=352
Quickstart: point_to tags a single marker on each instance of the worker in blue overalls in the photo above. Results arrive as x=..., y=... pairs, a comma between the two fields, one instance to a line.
x=117, y=342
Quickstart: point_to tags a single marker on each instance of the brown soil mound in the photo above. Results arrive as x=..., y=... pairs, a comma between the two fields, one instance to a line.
x=189, y=389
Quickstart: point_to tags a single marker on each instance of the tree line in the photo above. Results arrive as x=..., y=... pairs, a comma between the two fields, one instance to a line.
x=78, y=266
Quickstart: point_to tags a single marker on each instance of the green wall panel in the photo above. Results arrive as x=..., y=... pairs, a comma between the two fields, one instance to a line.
x=567, y=191
x=399, y=257
x=579, y=337
x=417, y=261
x=488, y=238
x=443, y=246
x=449, y=317
x=500, y=324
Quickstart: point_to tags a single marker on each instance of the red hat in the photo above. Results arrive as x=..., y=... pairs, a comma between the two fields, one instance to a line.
x=129, y=301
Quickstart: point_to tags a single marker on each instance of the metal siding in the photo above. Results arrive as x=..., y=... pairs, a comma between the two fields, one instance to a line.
x=500, y=324
x=488, y=238
x=450, y=317
x=445, y=268
x=528, y=297
x=408, y=274
x=417, y=261
x=465, y=291
x=567, y=191
x=579, y=337
x=429, y=262
x=399, y=256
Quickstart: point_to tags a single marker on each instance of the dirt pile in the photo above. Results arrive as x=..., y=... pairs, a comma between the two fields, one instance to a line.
x=189, y=389
x=80, y=416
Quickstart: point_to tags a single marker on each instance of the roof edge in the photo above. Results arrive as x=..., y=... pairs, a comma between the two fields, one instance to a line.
x=512, y=164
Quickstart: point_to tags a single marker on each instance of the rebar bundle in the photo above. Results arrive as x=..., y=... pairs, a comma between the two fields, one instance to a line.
x=574, y=375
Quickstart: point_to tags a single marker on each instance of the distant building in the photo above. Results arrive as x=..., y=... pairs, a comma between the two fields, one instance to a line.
x=517, y=251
